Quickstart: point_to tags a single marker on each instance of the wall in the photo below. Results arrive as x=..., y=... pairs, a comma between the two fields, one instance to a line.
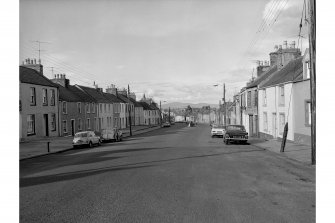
x=73, y=114
x=274, y=107
x=103, y=114
x=139, y=116
x=301, y=93
x=39, y=110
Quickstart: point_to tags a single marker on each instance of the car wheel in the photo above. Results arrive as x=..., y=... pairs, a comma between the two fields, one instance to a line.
x=90, y=144
x=75, y=147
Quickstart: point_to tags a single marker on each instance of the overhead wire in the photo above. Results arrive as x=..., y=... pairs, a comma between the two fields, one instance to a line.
x=73, y=67
x=60, y=69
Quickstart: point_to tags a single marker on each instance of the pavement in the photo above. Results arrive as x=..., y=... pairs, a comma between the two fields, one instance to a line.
x=176, y=174
x=294, y=151
x=39, y=147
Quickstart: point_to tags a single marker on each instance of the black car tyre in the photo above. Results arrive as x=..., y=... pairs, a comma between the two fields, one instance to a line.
x=90, y=144
x=226, y=141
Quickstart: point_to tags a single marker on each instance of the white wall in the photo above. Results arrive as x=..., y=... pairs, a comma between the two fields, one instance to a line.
x=274, y=107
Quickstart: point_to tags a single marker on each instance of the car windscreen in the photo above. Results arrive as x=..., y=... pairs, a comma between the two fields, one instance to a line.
x=235, y=127
x=78, y=135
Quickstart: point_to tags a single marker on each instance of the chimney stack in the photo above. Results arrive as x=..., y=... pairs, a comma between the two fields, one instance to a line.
x=285, y=44
x=31, y=63
x=61, y=80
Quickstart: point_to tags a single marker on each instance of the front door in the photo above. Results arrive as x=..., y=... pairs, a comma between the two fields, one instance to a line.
x=256, y=125
x=72, y=127
x=46, y=124
x=251, y=126
x=274, y=125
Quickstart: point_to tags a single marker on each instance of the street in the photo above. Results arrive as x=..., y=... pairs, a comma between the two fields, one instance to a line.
x=176, y=174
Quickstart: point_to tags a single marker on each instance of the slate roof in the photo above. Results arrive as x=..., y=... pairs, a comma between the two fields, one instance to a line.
x=123, y=98
x=262, y=77
x=96, y=94
x=73, y=94
x=136, y=103
x=82, y=95
x=66, y=95
x=145, y=105
x=31, y=76
x=292, y=72
x=112, y=98
x=153, y=107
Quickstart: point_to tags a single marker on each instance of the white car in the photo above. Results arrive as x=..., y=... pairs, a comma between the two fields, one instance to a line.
x=88, y=138
x=166, y=124
x=218, y=131
x=111, y=135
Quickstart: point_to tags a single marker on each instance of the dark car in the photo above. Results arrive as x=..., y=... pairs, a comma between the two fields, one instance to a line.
x=235, y=133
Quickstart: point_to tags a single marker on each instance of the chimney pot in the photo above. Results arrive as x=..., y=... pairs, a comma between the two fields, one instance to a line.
x=285, y=44
x=34, y=61
x=57, y=76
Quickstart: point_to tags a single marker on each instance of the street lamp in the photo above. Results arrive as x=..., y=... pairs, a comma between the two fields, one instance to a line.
x=223, y=100
x=160, y=109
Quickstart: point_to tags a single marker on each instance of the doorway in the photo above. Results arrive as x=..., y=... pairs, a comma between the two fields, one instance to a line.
x=251, y=126
x=46, y=124
x=72, y=127
x=274, y=125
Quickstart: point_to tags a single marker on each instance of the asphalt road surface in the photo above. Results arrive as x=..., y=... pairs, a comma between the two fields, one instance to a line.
x=176, y=174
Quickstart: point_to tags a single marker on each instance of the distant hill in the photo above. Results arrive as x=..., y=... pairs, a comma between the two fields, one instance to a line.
x=184, y=105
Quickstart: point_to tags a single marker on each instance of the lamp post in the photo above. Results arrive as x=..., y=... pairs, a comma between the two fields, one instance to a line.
x=223, y=101
x=129, y=112
x=160, y=110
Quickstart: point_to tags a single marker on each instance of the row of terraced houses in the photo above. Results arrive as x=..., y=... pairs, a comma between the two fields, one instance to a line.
x=53, y=107
x=279, y=94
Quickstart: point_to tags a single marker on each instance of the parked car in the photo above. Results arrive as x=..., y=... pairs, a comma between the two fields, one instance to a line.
x=166, y=124
x=235, y=133
x=191, y=124
x=87, y=138
x=111, y=135
x=218, y=130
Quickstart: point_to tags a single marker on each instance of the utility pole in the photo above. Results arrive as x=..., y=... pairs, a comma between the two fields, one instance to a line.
x=219, y=112
x=160, y=110
x=224, y=103
x=169, y=116
x=312, y=35
x=129, y=111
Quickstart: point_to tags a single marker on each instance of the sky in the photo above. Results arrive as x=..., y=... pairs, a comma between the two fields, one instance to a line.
x=173, y=51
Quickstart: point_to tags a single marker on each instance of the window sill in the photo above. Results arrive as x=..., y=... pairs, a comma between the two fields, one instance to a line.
x=32, y=104
x=31, y=134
